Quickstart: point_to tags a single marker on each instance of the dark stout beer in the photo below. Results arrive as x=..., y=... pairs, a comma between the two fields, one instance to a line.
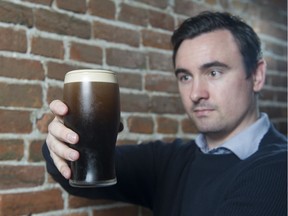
x=92, y=97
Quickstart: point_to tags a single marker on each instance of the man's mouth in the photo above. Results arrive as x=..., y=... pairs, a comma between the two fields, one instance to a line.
x=202, y=111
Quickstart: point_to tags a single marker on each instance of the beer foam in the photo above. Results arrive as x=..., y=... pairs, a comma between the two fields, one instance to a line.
x=91, y=75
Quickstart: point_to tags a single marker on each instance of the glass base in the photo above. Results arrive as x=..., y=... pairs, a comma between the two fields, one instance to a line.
x=85, y=184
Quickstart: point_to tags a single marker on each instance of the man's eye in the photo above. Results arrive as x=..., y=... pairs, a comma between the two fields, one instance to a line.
x=184, y=77
x=214, y=73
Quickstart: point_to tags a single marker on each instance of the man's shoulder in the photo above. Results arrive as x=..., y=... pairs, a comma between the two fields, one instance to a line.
x=273, y=146
x=272, y=156
x=273, y=136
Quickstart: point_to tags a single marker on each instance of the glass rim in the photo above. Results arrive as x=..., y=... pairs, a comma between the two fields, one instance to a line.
x=90, y=75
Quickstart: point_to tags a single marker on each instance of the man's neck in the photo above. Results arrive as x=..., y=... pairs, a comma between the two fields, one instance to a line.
x=216, y=139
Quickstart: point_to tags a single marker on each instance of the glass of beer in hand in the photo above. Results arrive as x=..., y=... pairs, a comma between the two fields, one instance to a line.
x=93, y=101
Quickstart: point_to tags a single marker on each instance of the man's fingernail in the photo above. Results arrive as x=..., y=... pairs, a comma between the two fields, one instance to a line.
x=72, y=156
x=71, y=137
x=65, y=174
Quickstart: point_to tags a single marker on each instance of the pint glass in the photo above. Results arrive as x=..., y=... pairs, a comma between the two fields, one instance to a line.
x=92, y=97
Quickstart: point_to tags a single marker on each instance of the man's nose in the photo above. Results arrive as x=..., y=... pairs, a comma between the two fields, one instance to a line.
x=199, y=91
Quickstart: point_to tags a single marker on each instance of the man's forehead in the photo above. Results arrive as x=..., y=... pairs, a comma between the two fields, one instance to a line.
x=209, y=45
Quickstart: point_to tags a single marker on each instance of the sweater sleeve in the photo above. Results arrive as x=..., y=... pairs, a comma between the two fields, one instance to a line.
x=259, y=190
x=134, y=171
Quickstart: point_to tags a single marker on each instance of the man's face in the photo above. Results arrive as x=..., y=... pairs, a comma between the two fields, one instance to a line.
x=213, y=86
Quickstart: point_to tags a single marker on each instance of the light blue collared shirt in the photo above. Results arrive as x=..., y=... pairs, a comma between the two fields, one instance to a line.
x=243, y=144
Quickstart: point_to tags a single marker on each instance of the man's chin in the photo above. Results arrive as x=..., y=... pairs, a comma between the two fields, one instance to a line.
x=207, y=128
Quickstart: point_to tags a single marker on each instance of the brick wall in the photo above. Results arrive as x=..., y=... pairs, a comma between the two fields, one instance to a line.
x=40, y=40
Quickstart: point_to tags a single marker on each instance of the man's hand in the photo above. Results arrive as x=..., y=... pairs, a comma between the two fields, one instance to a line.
x=58, y=135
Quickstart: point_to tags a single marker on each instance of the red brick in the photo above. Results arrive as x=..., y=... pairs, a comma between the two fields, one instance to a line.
x=189, y=8
x=62, y=24
x=167, y=104
x=180, y=20
x=78, y=202
x=57, y=70
x=211, y=2
x=134, y=102
x=275, y=4
x=267, y=27
x=270, y=13
x=16, y=14
x=169, y=139
x=86, y=53
x=281, y=96
x=129, y=80
x=281, y=66
x=271, y=62
x=279, y=81
x=118, y=211
x=126, y=142
x=279, y=50
x=21, y=68
x=167, y=125
x=78, y=6
x=188, y=126
x=47, y=47
x=160, y=61
x=21, y=176
x=14, y=121
x=274, y=64
x=275, y=112
x=155, y=82
x=43, y=122
x=35, y=151
x=161, y=20
x=30, y=202
x=138, y=124
x=54, y=93
x=125, y=58
x=13, y=40
x=116, y=34
x=267, y=94
x=50, y=180
x=134, y=15
x=14, y=94
x=11, y=150
x=102, y=8
x=156, y=39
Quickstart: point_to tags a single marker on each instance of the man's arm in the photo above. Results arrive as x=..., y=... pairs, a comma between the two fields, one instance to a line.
x=260, y=190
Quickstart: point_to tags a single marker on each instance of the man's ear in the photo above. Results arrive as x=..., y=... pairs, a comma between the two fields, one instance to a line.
x=259, y=76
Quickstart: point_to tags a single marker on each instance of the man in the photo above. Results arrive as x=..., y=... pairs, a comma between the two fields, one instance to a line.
x=237, y=164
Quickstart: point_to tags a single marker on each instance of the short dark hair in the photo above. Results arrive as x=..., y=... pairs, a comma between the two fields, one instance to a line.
x=247, y=40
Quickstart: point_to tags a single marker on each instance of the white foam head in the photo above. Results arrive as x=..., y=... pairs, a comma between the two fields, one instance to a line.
x=90, y=75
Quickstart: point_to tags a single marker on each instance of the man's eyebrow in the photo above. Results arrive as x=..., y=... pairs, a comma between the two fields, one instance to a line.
x=213, y=64
x=181, y=70
x=202, y=67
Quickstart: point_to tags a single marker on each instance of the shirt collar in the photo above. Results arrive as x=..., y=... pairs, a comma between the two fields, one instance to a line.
x=243, y=144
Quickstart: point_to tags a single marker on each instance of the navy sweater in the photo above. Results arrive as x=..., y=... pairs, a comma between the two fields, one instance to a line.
x=177, y=179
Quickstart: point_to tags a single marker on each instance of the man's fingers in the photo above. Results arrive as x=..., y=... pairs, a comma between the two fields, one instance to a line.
x=58, y=108
x=58, y=130
x=60, y=154
x=61, y=165
x=57, y=138
x=60, y=149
